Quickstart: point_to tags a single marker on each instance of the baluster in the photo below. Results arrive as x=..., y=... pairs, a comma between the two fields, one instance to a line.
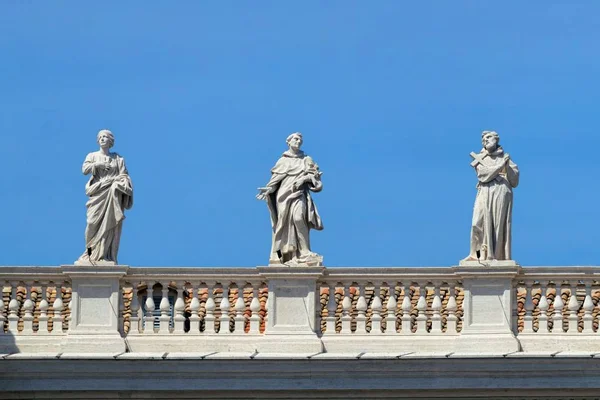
x=422, y=308
x=558, y=304
x=179, y=307
x=390, y=319
x=2, y=318
x=451, y=307
x=194, y=309
x=436, y=307
x=165, y=310
x=331, y=309
x=529, y=306
x=240, y=308
x=28, y=307
x=265, y=320
x=58, y=307
x=13, y=307
x=150, y=307
x=225, y=306
x=573, y=307
x=210, y=306
x=588, y=308
x=121, y=309
x=44, y=306
x=514, y=299
x=376, y=308
x=406, y=308
x=361, y=308
x=346, y=309
x=135, y=320
x=255, y=308
x=543, y=306
x=69, y=317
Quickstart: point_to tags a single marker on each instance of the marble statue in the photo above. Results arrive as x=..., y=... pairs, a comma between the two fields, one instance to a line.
x=110, y=192
x=293, y=212
x=492, y=214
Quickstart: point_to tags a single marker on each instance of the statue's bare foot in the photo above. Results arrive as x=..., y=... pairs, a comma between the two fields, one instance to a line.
x=291, y=263
x=308, y=258
x=470, y=258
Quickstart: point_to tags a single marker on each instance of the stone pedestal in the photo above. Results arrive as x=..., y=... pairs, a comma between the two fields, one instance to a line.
x=488, y=304
x=94, y=324
x=292, y=305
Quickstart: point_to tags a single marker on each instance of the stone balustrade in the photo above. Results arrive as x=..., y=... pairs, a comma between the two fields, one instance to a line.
x=206, y=302
x=500, y=309
x=395, y=301
x=557, y=309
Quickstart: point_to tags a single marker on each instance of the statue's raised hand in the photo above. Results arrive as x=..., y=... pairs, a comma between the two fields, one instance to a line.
x=264, y=192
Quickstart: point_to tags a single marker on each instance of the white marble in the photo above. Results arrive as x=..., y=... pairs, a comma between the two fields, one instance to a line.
x=497, y=176
x=383, y=356
x=489, y=321
x=292, y=309
x=579, y=342
x=36, y=355
x=480, y=354
x=143, y=356
x=488, y=263
x=487, y=306
x=284, y=356
x=337, y=356
x=94, y=324
x=192, y=355
x=293, y=211
x=520, y=354
x=89, y=356
x=35, y=343
x=388, y=344
x=427, y=355
x=111, y=192
x=231, y=355
x=574, y=354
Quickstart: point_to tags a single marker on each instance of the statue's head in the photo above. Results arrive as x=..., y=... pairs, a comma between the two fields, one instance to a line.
x=294, y=141
x=490, y=140
x=105, y=139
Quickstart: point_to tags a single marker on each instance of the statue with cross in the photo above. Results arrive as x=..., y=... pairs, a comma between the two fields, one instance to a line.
x=497, y=176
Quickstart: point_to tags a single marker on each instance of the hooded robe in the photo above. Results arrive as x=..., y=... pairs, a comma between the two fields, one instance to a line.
x=492, y=214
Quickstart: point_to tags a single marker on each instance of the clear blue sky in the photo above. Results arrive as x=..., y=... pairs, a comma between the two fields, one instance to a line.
x=391, y=97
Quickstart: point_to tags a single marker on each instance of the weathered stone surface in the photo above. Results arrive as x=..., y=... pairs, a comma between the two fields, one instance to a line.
x=287, y=194
x=413, y=292
x=111, y=192
x=36, y=296
x=247, y=293
x=497, y=176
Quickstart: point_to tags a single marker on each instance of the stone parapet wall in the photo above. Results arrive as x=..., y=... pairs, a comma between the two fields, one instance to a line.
x=500, y=309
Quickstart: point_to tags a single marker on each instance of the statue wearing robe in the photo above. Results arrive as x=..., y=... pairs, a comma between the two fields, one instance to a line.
x=293, y=211
x=491, y=227
x=110, y=192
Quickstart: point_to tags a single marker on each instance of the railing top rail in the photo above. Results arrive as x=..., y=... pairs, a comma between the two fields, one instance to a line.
x=35, y=273
x=550, y=273
x=390, y=273
x=193, y=273
x=383, y=274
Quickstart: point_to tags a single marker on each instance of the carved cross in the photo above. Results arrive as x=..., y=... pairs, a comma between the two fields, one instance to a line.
x=477, y=159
